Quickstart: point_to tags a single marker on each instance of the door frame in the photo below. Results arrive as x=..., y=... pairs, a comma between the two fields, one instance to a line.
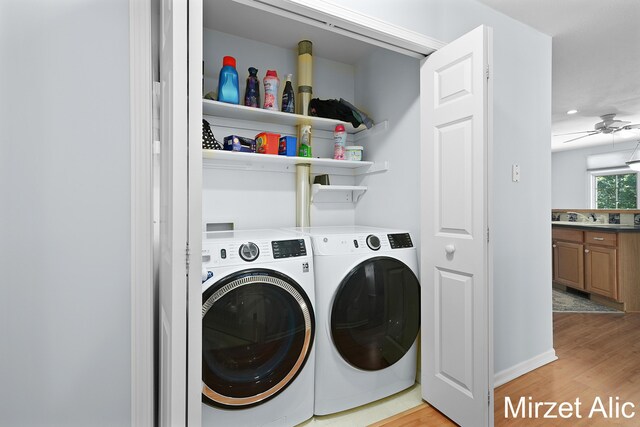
x=141, y=243
x=390, y=37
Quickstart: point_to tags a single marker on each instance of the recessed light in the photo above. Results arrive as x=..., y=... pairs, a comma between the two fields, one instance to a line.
x=572, y=111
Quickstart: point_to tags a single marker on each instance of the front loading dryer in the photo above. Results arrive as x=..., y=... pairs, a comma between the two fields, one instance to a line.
x=368, y=314
x=258, y=329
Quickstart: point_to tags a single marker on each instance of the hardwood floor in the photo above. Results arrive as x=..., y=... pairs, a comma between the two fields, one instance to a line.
x=598, y=356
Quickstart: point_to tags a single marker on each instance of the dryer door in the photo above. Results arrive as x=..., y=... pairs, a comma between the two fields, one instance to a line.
x=257, y=333
x=375, y=316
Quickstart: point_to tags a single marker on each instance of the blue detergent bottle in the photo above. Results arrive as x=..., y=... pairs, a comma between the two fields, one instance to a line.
x=228, y=88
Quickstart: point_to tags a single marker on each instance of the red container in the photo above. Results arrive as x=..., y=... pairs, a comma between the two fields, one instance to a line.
x=267, y=143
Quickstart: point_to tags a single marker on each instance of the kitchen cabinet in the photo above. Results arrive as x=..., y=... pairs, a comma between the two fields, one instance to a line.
x=602, y=263
x=568, y=258
x=600, y=253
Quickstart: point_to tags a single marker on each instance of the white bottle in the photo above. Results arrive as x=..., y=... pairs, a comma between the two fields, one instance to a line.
x=339, y=141
x=271, y=83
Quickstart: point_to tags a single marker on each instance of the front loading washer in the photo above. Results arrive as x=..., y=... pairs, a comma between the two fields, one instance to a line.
x=367, y=312
x=258, y=328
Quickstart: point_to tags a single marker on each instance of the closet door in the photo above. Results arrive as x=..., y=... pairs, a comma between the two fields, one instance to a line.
x=457, y=353
x=180, y=293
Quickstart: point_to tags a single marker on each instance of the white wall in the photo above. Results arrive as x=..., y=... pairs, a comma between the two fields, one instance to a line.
x=570, y=182
x=65, y=349
x=522, y=125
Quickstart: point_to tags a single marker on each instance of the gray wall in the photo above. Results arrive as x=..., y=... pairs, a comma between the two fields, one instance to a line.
x=570, y=182
x=522, y=125
x=64, y=218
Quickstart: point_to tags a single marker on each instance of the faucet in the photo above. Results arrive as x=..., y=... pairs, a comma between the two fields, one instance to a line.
x=590, y=218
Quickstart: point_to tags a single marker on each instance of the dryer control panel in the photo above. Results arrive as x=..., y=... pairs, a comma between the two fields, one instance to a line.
x=400, y=240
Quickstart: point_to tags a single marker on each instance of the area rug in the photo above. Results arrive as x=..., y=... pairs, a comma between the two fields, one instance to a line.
x=569, y=303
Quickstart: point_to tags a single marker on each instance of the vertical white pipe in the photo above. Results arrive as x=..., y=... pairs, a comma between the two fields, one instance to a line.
x=303, y=195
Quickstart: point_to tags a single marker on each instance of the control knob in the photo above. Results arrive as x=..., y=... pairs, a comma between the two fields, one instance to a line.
x=249, y=251
x=373, y=242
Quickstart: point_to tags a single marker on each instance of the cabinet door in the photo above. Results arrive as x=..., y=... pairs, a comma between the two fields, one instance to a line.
x=457, y=356
x=601, y=267
x=568, y=264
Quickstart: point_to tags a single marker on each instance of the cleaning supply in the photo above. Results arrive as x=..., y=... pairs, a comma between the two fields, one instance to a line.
x=252, y=92
x=305, y=142
x=267, y=143
x=353, y=152
x=339, y=141
x=228, y=89
x=288, y=101
x=271, y=83
x=288, y=146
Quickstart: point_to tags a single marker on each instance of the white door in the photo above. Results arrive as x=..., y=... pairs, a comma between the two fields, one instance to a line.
x=173, y=213
x=456, y=299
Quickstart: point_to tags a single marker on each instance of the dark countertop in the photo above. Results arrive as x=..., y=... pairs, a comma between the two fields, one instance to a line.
x=597, y=227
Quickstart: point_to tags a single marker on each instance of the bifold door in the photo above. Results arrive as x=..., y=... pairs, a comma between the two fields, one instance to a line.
x=456, y=317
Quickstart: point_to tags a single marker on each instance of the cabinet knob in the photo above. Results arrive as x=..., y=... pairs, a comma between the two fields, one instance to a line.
x=554, y=246
x=450, y=249
x=586, y=251
x=598, y=238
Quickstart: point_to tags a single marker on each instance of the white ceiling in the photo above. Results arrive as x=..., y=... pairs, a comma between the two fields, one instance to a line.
x=596, y=62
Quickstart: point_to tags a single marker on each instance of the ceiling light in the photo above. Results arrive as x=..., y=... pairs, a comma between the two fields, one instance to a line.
x=634, y=160
x=572, y=111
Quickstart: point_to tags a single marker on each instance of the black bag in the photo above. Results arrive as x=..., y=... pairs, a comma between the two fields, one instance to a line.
x=209, y=142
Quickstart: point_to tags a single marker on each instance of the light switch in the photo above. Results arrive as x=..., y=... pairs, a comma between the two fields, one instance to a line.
x=515, y=172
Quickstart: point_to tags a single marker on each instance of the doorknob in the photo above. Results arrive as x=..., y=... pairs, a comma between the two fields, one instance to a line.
x=450, y=249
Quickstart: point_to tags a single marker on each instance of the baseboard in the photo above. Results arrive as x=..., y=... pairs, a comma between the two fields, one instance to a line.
x=522, y=368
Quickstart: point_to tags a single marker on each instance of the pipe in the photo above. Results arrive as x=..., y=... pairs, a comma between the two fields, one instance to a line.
x=303, y=193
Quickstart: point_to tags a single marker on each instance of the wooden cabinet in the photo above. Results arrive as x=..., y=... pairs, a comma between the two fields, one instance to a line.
x=600, y=271
x=568, y=258
x=601, y=263
x=586, y=260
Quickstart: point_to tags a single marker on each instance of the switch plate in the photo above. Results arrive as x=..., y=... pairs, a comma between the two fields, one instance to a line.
x=515, y=172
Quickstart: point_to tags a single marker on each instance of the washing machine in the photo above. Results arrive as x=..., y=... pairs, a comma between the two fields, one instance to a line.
x=368, y=314
x=258, y=328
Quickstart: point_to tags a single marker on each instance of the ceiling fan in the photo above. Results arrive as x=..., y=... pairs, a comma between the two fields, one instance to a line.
x=608, y=125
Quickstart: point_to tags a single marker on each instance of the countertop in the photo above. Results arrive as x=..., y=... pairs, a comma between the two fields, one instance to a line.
x=597, y=227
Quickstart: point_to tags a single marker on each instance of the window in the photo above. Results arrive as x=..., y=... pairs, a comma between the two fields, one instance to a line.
x=614, y=189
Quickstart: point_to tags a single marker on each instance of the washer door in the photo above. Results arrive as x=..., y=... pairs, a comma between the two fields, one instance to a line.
x=257, y=333
x=375, y=316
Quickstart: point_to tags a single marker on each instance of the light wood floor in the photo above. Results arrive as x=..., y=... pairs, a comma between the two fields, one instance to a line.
x=598, y=355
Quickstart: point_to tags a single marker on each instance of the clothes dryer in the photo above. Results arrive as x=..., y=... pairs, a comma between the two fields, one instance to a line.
x=368, y=314
x=258, y=328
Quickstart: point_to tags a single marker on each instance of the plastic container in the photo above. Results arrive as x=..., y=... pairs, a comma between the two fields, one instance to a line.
x=288, y=146
x=305, y=141
x=271, y=84
x=339, y=142
x=252, y=92
x=353, y=152
x=239, y=143
x=267, y=143
x=288, y=98
x=228, y=89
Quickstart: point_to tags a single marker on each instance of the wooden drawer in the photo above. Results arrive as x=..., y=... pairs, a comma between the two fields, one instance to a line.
x=600, y=238
x=567, y=234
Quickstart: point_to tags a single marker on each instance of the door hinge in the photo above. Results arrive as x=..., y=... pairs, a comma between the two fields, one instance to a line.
x=489, y=398
x=486, y=71
x=487, y=234
x=187, y=257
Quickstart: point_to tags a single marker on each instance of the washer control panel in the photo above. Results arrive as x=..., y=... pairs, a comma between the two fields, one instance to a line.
x=288, y=248
x=400, y=240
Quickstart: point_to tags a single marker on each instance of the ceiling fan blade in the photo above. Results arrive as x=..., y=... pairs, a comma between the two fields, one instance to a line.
x=618, y=123
x=580, y=137
x=572, y=133
x=634, y=126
